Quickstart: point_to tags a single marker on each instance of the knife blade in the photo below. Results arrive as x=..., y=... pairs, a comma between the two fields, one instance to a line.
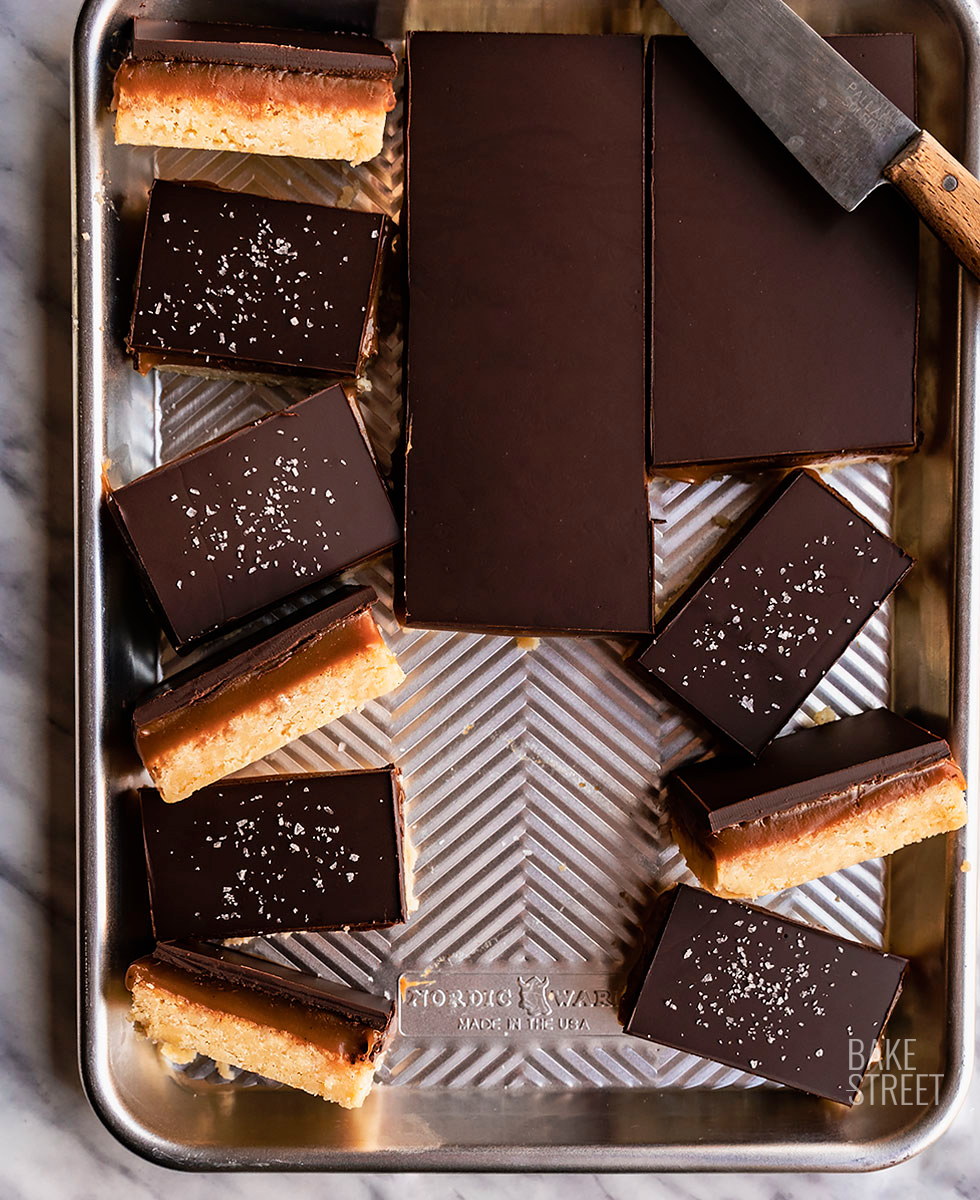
x=848, y=135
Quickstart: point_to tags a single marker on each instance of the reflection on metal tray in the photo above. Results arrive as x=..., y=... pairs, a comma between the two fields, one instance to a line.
x=532, y=774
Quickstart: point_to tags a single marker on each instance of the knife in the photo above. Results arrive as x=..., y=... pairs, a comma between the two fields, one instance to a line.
x=848, y=135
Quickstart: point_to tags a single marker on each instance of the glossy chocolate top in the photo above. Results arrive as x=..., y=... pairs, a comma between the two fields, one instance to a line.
x=804, y=766
x=761, y=993
x=267, y=855
x=225, y=531
x=231, y=967
x=526, y=498
x=352, y=54
x=231, y=279
x=259, y=652
x=783, y=327
x=755, y=634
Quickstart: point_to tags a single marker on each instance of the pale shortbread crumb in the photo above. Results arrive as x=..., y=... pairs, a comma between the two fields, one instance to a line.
x=824, y=716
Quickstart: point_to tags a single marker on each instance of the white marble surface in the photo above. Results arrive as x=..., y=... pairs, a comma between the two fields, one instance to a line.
x=51, y=1144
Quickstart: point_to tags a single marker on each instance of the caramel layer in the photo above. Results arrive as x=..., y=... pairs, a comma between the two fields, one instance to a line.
x=248, y=89
x=351, y=1041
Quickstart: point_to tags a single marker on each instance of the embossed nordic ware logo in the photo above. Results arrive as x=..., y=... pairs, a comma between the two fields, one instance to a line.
x=532, y=995
x=499, y=1004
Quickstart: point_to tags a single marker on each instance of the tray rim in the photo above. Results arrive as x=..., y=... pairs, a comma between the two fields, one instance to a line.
x=961, y=909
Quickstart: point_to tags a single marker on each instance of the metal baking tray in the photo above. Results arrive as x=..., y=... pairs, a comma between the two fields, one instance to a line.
x=532, y=774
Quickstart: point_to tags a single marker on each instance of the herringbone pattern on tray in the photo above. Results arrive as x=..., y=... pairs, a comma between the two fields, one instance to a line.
x=531, y=774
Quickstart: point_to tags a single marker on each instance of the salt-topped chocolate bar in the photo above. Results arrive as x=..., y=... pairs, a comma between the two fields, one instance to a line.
x=253, y=696
x=526, y=503
x=814, y=802
x=231, y=283
x=757, y=356
x=761, y=993
x=252, y=89
x=753, y=636
x=276, y=854
x=226, y=531
x=193, y=998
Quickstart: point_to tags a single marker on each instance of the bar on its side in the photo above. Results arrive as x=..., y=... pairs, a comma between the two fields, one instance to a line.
x=526, y=503
x=225, y=531
x=784, y=329
x=255, y=696
x=814, y=802
x=278, y=854
x=752, y=637
x=324, y=1038
x=256, y=90
x=756, y=991
x=234, y=284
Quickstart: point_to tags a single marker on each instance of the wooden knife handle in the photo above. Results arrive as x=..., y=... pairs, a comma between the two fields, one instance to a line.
x=945, y=193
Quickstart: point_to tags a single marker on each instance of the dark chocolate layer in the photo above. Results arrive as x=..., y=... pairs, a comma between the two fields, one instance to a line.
x=266, y=648
x=352, y=54
x=526, y=501
x=255, y=283
x=247, y=970
x=228, y=530
x=269, y=855
x=752, y=637
x=784, y=328
x=803, y=767
x=762, y=993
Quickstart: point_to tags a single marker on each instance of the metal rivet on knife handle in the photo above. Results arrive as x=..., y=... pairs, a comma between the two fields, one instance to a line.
x=946, y=195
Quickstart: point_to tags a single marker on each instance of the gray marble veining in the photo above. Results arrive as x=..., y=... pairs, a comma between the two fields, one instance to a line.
x=51, y=1144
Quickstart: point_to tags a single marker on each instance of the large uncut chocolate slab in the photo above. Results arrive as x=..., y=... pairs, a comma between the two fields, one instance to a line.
x=269, y=855
x=784, y=329
x=526, y=502
x=814, y=802
x=750, y=639
x=756, y=991
x=225, y=531
x=248, y=285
